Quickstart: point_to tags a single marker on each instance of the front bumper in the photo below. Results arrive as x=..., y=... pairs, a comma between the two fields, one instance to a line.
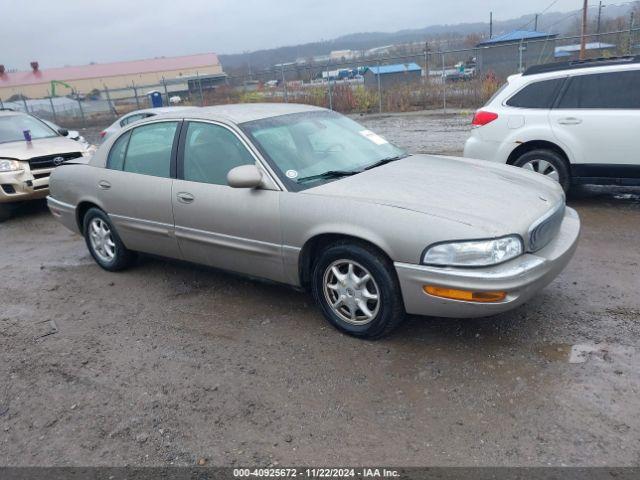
x=24, y=185
x=521, y=278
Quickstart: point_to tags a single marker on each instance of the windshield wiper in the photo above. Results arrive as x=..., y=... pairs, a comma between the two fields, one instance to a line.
x=329, y=174
x=384, y=161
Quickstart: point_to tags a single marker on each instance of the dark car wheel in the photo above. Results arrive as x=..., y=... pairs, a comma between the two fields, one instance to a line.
x=357, y=290
x=104, y=243
x=548, y=163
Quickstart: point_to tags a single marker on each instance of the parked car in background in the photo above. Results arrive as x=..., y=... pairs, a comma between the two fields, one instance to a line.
x=136, y=116
x=29, y=151
x=71, y=134
x=574, y=122
x=307, y=197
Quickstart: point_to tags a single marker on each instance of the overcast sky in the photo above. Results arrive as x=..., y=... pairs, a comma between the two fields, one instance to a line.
x=74, y=32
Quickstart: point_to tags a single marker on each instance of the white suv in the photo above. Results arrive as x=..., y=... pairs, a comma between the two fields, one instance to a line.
x=575, y=122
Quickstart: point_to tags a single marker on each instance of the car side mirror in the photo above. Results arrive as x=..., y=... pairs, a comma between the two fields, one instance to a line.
x=63, y=131
x=244, y=176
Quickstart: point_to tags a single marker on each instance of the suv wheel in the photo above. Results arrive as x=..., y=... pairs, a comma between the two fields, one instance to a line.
x=547, y=163
x=103, y=242
x=357, y=290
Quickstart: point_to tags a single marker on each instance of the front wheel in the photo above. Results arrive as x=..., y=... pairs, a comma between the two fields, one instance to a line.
x=103, y=242
x=547, y=163
x=357, y=290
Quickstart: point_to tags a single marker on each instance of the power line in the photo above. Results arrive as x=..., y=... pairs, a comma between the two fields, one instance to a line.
x=538, y=14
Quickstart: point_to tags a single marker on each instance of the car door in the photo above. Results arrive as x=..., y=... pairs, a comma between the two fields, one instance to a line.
x=598, y=115
x=234, y=229
x=135, y=187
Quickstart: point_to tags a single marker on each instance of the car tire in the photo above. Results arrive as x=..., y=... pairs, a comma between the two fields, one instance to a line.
x=556, y=166
x=350, y=262
x=104, y=243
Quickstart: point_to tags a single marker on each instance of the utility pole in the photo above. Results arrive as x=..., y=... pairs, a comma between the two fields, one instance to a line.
x=490, y=25
x=599, y=17
x=426, y=61
x=535, y=25
x=583, y=36
x=631, y=32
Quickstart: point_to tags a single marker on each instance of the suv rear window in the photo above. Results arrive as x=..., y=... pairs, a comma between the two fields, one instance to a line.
x=537, y=95
x=603, y=90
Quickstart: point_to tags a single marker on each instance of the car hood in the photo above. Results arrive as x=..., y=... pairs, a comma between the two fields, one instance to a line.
x=22, y=150
x=496, y=199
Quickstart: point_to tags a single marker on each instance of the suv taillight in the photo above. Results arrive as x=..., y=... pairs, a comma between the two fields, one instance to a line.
x=103, y=133
x=482, y=118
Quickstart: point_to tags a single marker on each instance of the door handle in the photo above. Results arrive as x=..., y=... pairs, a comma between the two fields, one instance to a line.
x=104, y=185
x=570, y=121
x=185, y=197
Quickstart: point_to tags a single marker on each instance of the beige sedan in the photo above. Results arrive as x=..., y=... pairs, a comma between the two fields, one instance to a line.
x=307, y=197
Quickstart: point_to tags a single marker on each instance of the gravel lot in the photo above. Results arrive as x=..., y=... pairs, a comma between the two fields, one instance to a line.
x=169, y=363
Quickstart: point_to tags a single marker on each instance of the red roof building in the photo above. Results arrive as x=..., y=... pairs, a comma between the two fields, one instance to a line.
x=36, y=83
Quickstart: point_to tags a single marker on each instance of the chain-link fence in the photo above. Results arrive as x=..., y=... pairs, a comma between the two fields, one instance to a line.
x=423, y=78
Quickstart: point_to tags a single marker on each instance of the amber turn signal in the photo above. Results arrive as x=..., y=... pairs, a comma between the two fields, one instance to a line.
x=465, y=295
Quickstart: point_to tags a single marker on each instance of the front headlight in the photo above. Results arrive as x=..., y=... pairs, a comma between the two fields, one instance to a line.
x=475, y=253
x=10, y=166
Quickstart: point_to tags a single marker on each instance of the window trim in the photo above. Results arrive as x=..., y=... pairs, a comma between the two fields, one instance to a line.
x=563, y=79
x=174, y=146
x=181, y=144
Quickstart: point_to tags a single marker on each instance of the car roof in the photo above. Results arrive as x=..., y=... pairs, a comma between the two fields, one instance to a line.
x=247, y=112
x=581, y=64
x=576, y=68
x=158, y=110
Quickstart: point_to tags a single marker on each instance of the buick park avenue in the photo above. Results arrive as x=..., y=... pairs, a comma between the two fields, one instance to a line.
x=307, y=197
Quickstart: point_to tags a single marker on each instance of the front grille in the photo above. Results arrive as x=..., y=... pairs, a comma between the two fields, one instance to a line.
x=47, y=161
x=545, y=229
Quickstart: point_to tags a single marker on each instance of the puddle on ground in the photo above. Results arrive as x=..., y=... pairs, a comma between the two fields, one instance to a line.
x=582, y=353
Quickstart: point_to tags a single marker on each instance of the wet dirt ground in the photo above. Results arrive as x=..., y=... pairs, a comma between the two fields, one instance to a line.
x=169, y=363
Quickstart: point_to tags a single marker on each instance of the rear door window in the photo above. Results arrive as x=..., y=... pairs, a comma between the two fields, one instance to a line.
x=616, y=90
x=537, y=95
x=149, y=150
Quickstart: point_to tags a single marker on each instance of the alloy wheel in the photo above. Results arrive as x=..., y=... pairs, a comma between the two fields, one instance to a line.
x=101, y=240
x=543, y=167
x=351, y=292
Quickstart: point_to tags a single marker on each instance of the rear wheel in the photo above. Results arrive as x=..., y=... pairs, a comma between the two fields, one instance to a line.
x=547, y=163
x=357, y=290
x=103, y=242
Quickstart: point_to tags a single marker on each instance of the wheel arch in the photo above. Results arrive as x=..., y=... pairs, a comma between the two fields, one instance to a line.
x=537, y=145
x=81, y=210
x=314, y=245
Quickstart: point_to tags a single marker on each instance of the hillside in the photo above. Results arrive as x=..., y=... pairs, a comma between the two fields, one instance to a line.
x=453, y=34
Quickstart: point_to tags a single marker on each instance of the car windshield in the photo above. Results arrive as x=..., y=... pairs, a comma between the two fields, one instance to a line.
x=310, y=148
x=12, y=128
